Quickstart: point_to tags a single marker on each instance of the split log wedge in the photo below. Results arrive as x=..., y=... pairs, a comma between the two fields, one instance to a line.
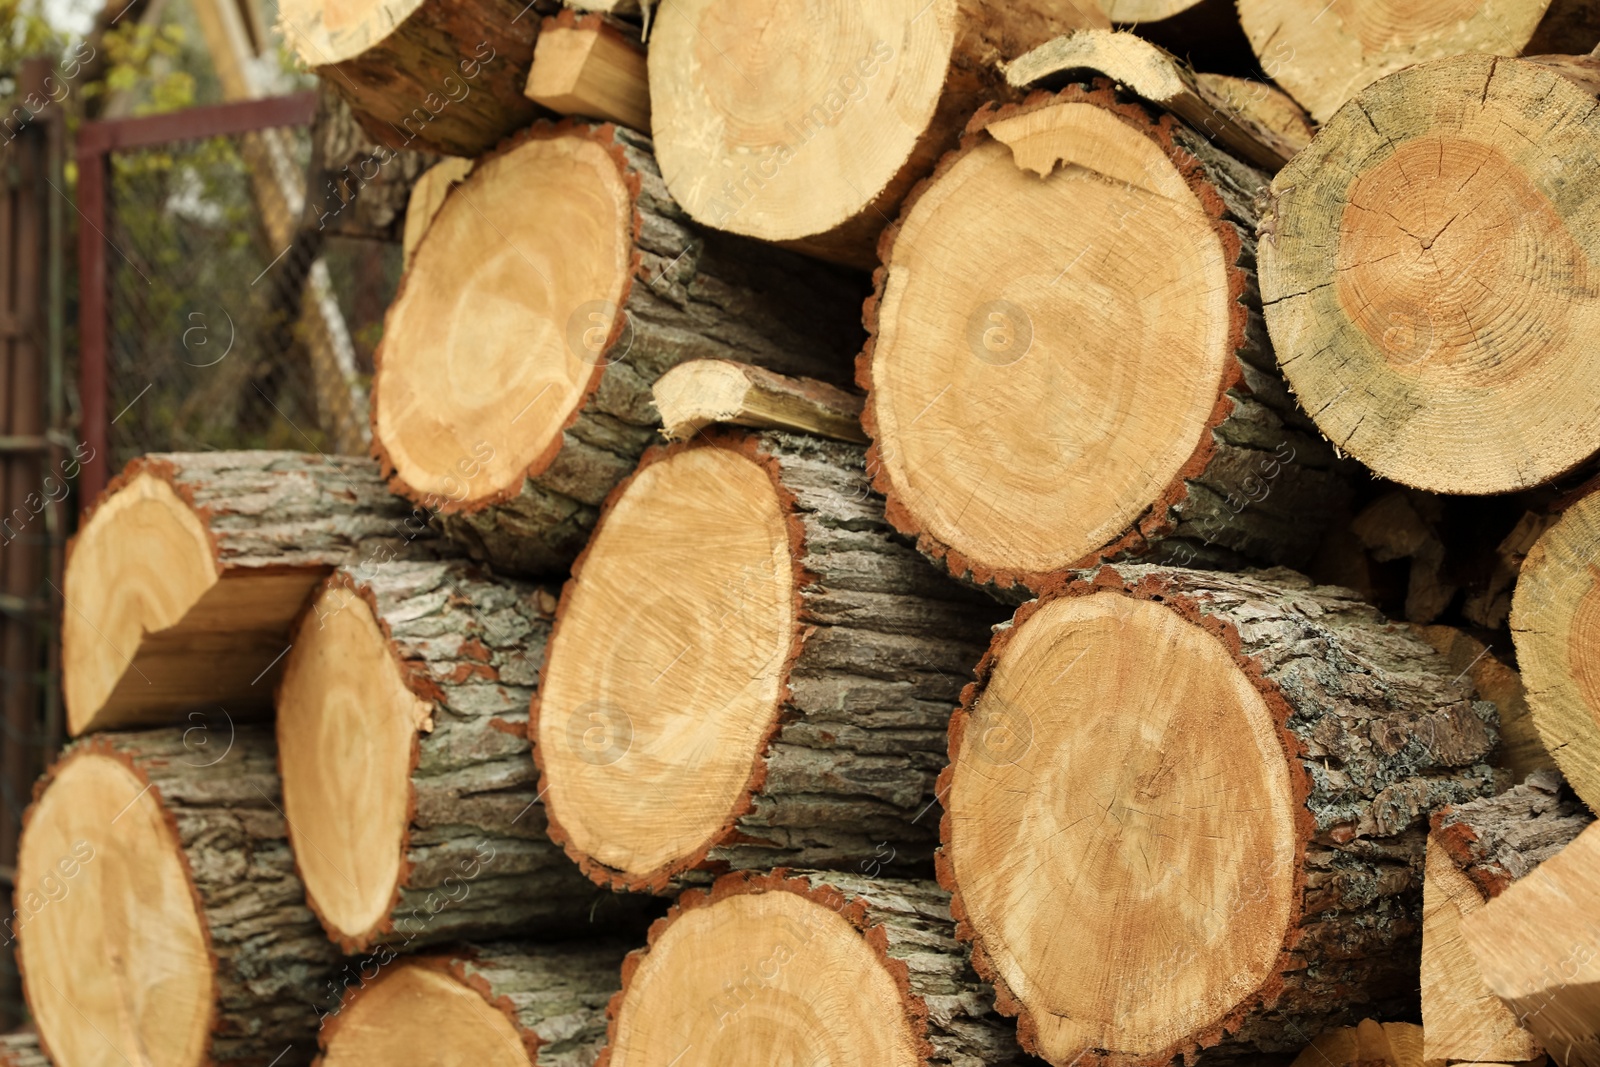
x=1250, y=120
x=811, y=131
x=803, y=967
x=184, y=582
x=1555, y=624
x=1102, y=387
x=1538, y=948
x=705, y=392
x=1185, y=811
x=1425, y=267
x=407, y=777
x=553, y=287
x=439, y=75
x=1324, y=54
x=749, y=669
x=1476, y=850
x=174, y=930
x=587, y=66
x=502, y=1004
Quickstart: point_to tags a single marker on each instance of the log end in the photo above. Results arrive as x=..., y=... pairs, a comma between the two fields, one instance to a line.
x=112, y=944
x=1174, y=856
x=347, y=723
x=667, y=668
x=1400, y=234
x=1080, y=410
x=466, y=404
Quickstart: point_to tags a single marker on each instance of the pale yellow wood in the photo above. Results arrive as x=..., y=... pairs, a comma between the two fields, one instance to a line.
x=1461, y=1018
x=427, y=196
x=323, y=32
x=419, y=1015
x=1323, y=53
x=1171, y=765
x=140, y=563
x=1107, y=324
x=488, y=390
x=118, y=968
x=1251, y=120
x=822, y=995
x=1538, y=948
x=1367, y=1044
x=703, y=392
x=591, y=70
x=1426, y=276
x=729, y=101
x=347, y=724
x=1555, y=622
x=809, y=123
x=667, y=665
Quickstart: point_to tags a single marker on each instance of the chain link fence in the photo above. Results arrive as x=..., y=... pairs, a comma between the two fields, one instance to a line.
x=231, y=324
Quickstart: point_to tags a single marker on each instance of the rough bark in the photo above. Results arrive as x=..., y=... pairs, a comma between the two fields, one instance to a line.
x=447, y=79
x=354, y=186
x=477, y=860
x=287, y=509
x=269, y=956
x=1496, y=840
x=1376, y=733
x=554, y=996
x=908, y=922
x=1261, y=483
x=142, y=644
x=695, y=295
x=846, y=778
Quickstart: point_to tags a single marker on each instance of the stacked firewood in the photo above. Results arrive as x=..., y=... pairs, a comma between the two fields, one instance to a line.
x=1038, y=673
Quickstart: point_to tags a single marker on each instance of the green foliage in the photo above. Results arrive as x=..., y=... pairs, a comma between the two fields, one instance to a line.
x=152, y=64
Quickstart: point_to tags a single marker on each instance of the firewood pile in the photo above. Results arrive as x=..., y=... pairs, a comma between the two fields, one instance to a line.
x=906, y=533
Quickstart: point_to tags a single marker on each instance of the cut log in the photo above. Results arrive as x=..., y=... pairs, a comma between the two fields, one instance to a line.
x=703, y=392
x=183, y=583
x=1324, y=54
x=1114, y=394
x=809, y=126
x=427, y=197
x=588, y=67
x=165, y=923
x=766, y=684
x=1367, y=1044
x=801, y=968
x=438, y=75
x=407, y=780
x=513, y=381
x=503, y=1004
x=1251, y=120
x=1476, y=850
x=1424, y=271
x=22, y=1050
x=1538, y=951
x=1555, y=623
x=1520, y=751
x=1184, y=811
